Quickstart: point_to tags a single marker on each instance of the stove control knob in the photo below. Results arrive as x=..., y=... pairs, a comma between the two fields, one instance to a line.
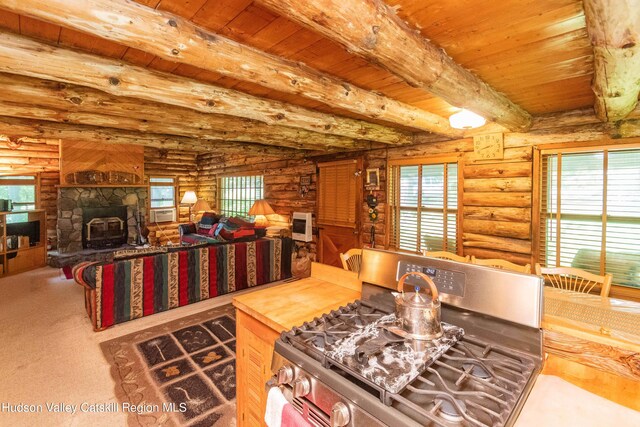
x=339, y=415
x=285, y=375
x=301, y=386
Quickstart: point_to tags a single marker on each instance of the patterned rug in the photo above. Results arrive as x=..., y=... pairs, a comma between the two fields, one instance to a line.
x=181, y=373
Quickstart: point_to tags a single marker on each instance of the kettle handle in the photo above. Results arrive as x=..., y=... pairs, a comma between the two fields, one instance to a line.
x=434, y=289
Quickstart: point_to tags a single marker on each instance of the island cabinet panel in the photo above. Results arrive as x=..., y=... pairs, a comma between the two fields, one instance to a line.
x=255, y=343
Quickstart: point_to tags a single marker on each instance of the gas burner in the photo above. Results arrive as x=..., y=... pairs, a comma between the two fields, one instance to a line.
x=320, y=339
x=450, y=409
x=476, y=370
x=361, y=317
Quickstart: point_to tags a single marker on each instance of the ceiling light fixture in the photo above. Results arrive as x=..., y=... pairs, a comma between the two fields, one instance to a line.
x=465, y=119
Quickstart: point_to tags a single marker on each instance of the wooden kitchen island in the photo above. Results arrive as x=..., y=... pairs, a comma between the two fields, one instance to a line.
x=262, y=315
x=591, y=342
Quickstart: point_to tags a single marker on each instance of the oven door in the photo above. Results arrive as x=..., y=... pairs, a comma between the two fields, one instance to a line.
x=319, y=404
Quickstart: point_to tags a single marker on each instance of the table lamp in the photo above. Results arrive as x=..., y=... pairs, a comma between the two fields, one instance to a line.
x=190, y=199
x=260, y=209
x=200, y=206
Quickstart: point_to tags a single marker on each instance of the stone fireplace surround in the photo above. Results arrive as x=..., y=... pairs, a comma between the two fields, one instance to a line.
x=72, y=200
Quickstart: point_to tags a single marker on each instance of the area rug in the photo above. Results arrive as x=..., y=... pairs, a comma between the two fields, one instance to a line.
x=181, y=373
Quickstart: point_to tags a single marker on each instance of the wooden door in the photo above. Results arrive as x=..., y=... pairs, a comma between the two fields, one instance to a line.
x=339, y=204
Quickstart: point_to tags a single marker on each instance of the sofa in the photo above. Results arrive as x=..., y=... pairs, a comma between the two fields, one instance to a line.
x=139, y=286
x=214, y=228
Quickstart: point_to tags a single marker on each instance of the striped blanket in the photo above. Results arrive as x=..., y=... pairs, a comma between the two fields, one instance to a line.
x=128, y=289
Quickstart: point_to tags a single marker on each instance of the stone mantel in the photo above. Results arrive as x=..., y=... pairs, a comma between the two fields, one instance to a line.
x=72, y=200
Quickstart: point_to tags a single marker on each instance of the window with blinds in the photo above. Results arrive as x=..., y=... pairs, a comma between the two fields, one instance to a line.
x=337, y=193
x=590, y=212
x=236, y=194
x=423, y=206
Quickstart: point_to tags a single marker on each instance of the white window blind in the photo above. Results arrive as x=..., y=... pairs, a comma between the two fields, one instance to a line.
x=423, y=201
x=238, y=193
x=590, y=212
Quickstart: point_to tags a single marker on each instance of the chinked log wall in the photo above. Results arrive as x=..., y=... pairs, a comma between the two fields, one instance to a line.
x=281, y=180
x=497, y=196
x=42, y=156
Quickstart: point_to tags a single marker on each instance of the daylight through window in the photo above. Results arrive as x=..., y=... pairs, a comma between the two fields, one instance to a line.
x=237, y=194
x=163, y=192
x=590, y=212
x=424, y=206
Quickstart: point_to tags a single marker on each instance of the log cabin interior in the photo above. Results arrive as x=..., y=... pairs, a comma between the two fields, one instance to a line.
x=320, y=212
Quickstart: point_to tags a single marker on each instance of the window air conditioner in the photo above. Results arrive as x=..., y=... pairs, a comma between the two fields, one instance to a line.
x=163, y=215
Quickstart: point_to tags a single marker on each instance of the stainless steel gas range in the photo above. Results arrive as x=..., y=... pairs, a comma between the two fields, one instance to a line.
x=347, y=367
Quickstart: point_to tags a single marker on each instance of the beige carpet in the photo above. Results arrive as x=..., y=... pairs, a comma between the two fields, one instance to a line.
x=51, y=355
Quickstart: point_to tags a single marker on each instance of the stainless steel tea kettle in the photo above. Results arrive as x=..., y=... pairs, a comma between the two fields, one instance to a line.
x=418, y=316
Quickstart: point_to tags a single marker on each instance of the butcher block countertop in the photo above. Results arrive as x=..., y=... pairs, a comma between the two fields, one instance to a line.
x=285, y=306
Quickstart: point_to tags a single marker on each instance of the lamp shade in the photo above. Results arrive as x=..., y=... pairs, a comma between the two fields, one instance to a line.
x=261, y=207
x=201, y=206
x=466, y=119
x=189, y=198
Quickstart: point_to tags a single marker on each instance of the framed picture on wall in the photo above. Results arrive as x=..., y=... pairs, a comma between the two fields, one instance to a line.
x=373, y=179
x=305, y=179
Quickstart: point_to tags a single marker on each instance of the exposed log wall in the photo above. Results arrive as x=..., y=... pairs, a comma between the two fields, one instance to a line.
x=497, y=196
x=42, y=156
x=181, y=165
x=281, y=181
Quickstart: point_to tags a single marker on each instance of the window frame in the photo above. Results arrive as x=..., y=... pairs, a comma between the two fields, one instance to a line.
x=236, y=175
x=617, y=291
x=35, y=183
x=174, y=184
x=431, y=160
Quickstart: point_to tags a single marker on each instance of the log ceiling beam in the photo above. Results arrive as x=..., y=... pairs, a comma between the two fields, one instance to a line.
x=372, y=30
x=16, y=128
x=614, y=30
x=23, y=56
x=176, y=39
x=32, y=98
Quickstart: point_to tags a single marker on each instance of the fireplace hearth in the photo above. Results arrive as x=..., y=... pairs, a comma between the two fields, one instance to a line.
x=120, y=214
x=104, y=227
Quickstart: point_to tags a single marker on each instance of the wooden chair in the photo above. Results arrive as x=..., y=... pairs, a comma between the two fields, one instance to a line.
x=351, y=260
x=574, y=279
x=446, y=255
x=503, y=264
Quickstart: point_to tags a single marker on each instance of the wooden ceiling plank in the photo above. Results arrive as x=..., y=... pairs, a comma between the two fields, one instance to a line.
x=137, y=57
x=614, y=30
x=176, y=39
x=10, y=21
x=215, y=14
x=371, y=29
x=184, y=8
x=70, y=102
x=38, y=29
x=248, y=22
x=89, y=43
x=275, y=32
x=113, y=76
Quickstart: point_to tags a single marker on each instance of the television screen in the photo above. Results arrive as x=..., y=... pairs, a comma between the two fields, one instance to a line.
x=29, y=228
